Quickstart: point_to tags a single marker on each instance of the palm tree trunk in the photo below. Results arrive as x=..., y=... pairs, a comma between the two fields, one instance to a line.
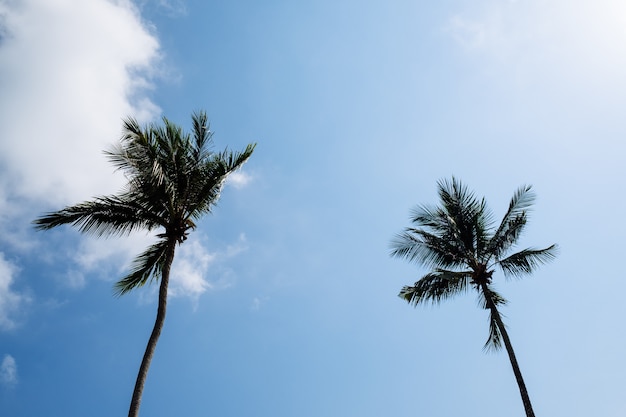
x=156, y=332
x=509, y=349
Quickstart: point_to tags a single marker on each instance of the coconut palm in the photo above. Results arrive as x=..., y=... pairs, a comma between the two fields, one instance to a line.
x=461, y=246
x=173, y=180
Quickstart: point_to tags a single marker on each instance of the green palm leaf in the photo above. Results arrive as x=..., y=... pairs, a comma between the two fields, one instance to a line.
x=527, y=260
x=146, y=266
x=436, y=286
x=422, y=247
x=104, y=216
x=202, y=136
x=488, y=299
x=513, y=222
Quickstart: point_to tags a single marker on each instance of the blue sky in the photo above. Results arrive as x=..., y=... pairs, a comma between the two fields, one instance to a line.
x=283, y=302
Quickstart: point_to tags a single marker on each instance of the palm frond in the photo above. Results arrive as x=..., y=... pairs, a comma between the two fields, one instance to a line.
x=455, y=234
x=436, y=286
x=430, y=217
x=513, y=221
x=234, y=160
x=458, y=201
x=494, y=341
x=467, y=216
x=489, y=295
x=527, y=260
x=522, y=200
x=427, y=249
x=481, y=223
x=146, y=266
x=490, y=300
x=454, y=195
x=209, y=178
x=143, y=154
x=131, y=154
x=506, y=236
x=104, y=216
x=202, y=136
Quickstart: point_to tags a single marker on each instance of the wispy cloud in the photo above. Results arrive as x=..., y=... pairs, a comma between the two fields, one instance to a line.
x=192, y=262
x=8, y=371
x=110, y=257
x=197, y=270
x=562, y=40
x=11, y=301
x=258, y=302
x=173, y=8
x=469, y=34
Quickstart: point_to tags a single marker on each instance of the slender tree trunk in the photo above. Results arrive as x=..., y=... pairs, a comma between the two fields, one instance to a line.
x=509, y=349
x=156, y=332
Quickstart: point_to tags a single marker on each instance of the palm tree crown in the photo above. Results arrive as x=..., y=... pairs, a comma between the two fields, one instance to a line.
x=459, y=242
x=173, y=180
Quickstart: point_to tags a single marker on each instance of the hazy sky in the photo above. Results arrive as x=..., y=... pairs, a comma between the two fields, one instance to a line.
x=284, y=301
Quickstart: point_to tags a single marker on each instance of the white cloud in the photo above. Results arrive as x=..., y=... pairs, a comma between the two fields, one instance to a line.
x=189, y=267
x=11, y=302
x=197, y=270
x=105, y=259
x=257, y=303
x=94, y=253
x=8, y=371
x=238, y=179
x=74, y=279
x=70, y=70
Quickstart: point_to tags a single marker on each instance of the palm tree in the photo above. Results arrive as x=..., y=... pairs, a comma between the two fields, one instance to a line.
x=458, y=242
x=173, y=180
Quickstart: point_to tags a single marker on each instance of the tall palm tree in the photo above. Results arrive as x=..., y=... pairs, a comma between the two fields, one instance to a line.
x=461, y=246
x=173, y=180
